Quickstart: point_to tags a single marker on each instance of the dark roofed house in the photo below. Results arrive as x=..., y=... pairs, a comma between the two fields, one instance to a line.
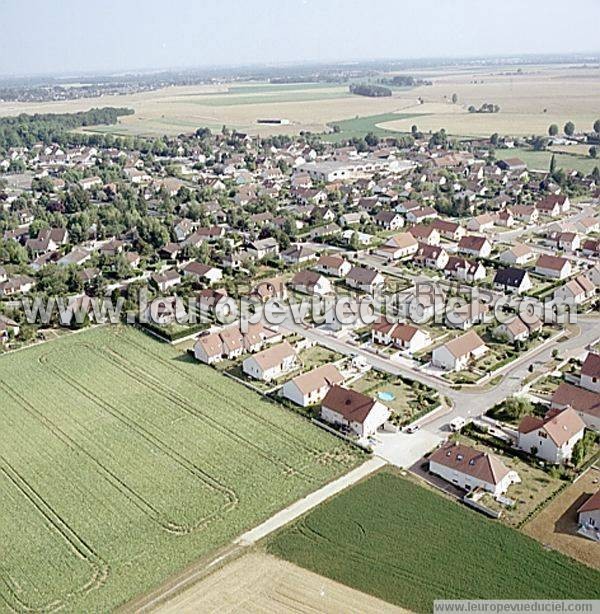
x=512, y=279
x=353, y=410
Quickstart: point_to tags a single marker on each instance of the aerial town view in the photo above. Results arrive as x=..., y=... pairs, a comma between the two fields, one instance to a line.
x=300, y=306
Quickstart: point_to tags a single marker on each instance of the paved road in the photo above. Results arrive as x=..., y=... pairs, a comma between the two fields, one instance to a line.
x=299, y=508
x=470, y=402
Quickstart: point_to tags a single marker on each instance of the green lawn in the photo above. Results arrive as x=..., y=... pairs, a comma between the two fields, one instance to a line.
x=409, y=546
x=410, y=400
x=358, y=127
x=540, y=160
x=122, y=461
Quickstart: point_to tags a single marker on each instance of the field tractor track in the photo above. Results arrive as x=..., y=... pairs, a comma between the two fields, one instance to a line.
x=131, y=495
x=197, y=472
x=174, y=397
x=288, y=437
x=76, y=544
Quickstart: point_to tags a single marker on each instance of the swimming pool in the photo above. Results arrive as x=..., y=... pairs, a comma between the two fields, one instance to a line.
x=386, y=395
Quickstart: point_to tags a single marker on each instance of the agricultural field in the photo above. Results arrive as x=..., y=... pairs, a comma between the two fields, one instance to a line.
x=263, y=583
x=530, y=99
x=556, y=525
x=414, y=546
x=123, y=461
x=175, y=110
x=540, y=160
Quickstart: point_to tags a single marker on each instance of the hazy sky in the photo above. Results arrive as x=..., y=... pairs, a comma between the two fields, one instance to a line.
x=65, y=36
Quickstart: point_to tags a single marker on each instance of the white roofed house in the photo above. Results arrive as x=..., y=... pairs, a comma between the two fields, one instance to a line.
x=271, y=363
x=365, y=279
x=469, y=468
x=553, y=437
x=456, y=354
x=310, y=388
x=465, y=316
x=202, y=272
x=353, y=410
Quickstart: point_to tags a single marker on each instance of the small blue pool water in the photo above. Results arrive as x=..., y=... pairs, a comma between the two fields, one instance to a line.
x=386, y=396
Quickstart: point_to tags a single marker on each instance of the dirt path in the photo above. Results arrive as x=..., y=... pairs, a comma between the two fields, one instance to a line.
x=258, y=582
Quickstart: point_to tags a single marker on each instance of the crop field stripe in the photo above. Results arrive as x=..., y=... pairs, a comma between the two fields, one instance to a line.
x=175, y=398
x=111, y=436
x=150, y=437
x=77, y=545
x=290, y=437
x=134, y=497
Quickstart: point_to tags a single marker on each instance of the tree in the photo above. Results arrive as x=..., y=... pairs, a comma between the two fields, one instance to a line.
x=552, y=164
x=553, y=130
x=593, y=152
x=597, y=126
x=517, y=407
x=454, y=98
x=569, y=129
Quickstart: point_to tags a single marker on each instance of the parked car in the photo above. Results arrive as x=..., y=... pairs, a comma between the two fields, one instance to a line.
x=412, y=428
x=457, y=424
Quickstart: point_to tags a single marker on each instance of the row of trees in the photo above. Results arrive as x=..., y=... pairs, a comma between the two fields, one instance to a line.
x=569, y=128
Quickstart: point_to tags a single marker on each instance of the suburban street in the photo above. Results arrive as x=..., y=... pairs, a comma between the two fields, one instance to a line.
x=472, y=401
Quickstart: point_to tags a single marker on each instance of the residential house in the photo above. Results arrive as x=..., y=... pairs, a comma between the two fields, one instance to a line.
x=553, y=437
x=481, y=223
x=421, y=214
x=354, y=411
x=263, y=247
x=512, y=280
x=311, y=282
x=588, y=516
x=389, y=220
x=297, y=254
x=268, y=289
x=431, y=256
x=590, y=372
x=425, y=234
x=398, y=246
x=577, y=290
x=271, y=363
x=456, y=354
x=365, y=279
x=553, y=266
x=464, y=270
x=469, y=469
x=474, y=245
x=449, y=230
x=517, y=254
x=202, y=272
x=19, y=284
x=466, y=315
x=310, y=388
x=334, y=265
x=585, y=402
x=166, y=280
x=403, y=336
